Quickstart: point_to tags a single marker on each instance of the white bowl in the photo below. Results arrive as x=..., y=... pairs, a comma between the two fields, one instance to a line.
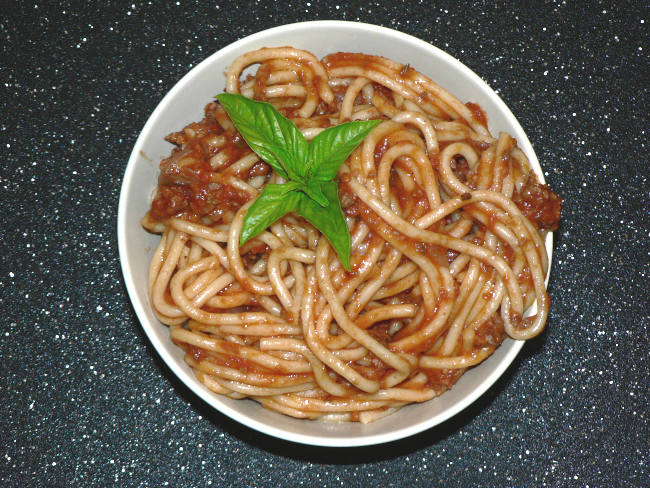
x=184, y=104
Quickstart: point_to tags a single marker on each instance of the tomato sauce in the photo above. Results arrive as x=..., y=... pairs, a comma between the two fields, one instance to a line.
x=442, y=379
x=477, y=113
x=188, y=186
x=539, y=204
x=490, y=333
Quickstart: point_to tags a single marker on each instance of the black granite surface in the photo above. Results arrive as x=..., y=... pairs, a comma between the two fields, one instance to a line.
x=86, y=401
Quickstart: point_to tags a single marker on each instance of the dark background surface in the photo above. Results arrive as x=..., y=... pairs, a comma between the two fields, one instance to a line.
x=84, y=398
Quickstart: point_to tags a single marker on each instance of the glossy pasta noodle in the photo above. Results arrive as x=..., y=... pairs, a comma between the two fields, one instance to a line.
x=446, y=223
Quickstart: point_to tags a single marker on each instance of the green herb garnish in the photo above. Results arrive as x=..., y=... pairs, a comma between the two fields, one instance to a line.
x=308, y=167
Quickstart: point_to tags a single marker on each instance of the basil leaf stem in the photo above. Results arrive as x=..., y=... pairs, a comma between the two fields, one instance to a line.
x=315, y=192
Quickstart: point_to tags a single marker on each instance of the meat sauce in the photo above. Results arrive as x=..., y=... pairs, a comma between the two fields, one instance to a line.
x=477, y=113
x=539, y=204
x=490, y=333
x=460, y=167
x=442, y=379
x=188, y=186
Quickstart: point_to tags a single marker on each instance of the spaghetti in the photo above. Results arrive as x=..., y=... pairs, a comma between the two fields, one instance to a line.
x=446, y=223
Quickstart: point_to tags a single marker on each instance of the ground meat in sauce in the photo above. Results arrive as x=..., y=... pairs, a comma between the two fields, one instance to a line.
x=477, y=113
x=460, y=168
x=186, y=186
x=490, y=333
x=442, y=379
x=539, y=204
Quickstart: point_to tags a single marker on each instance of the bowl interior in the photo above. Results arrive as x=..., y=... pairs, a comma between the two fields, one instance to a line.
x=184, y=104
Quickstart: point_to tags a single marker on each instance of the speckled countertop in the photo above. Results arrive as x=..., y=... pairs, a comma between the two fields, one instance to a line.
x=85, y=400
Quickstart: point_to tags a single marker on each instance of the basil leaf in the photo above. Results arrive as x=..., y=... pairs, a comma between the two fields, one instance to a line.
x=273, y=137
x=331, y=147
x=274, y=202
x=309, y=169
x=329, y=220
